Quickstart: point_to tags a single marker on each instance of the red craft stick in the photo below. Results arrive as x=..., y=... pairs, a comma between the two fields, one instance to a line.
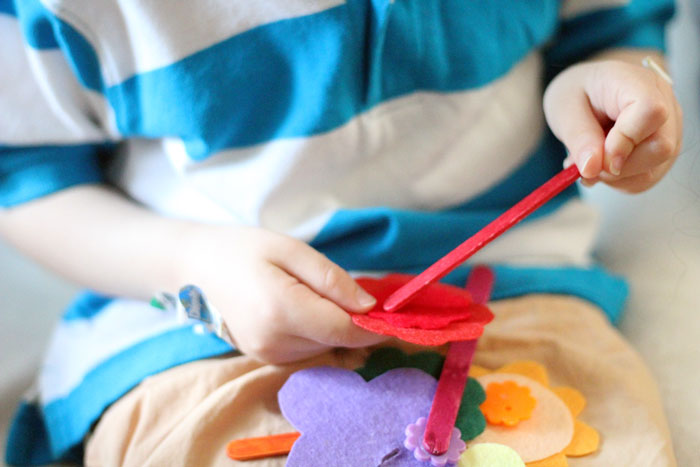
x=264, y=446
x=476, y=242
x=455, y=371
x=480, y=284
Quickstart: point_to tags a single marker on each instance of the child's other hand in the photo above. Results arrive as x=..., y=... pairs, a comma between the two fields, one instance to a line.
x=620, y=121
x=281, y=299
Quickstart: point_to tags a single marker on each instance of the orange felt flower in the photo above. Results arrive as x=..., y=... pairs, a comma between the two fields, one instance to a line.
x=581, y=440
x=507, y=403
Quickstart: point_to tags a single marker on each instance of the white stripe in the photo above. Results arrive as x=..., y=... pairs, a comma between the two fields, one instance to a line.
x=151, y=176
x=572, y=8
x=135, y=36
x=79, y=345
x=563, y=238
x=422, y=151
x=41, y=101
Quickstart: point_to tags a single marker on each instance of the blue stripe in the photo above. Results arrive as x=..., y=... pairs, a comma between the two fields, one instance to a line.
x=43, y=30
x=605, y=290
x=308, y=75
x=30, y=172
x=640, y=23
x=400, y=240
x=81, y=56
x=85, y=306
x=37, y=24
x=7, y=7
x=28, y=443
x=27, y=440
x=70, y=418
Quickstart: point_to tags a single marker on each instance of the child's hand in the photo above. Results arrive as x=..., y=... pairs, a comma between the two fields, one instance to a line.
x=281, y=299
x=633, y=105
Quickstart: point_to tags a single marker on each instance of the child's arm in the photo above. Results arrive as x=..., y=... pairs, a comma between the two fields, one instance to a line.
x=280, y=298
x=620, y=121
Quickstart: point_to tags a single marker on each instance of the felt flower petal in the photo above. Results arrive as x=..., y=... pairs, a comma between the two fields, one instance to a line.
x=345, y=420
x=573, y=399
x=548, y=431
x=414, y=443
x=425, y=318
x=470, y=421
x=490, y=455
x=459, y=331
x=436, y=295
x=439, y=314
x=475, y=371
x=557, y=460
x=388, y=358
x=507, y=403
x=532, y=370
x=585, y=441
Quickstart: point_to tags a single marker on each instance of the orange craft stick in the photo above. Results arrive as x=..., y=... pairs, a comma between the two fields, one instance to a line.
x=264, y=446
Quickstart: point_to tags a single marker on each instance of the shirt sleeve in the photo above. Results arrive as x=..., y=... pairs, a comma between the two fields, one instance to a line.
x=52, y=127
x=590, y=26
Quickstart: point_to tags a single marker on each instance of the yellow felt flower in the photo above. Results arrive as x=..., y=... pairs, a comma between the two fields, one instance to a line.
x=490, y=455
x=552, y=432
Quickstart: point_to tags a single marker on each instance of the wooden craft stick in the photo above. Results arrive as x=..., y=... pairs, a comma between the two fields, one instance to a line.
x=480, y=284
x=454, y=375
x=264, y=446
x=508, y=219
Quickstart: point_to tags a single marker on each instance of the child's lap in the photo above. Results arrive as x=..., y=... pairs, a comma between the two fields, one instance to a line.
x=187, y=415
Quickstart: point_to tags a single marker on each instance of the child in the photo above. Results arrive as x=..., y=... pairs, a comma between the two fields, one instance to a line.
x=261, y=150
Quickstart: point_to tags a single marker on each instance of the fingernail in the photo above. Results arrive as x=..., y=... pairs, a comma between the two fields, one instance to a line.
x=586, y=160
x=616, y=165
x=568, y=161
x=364, y=299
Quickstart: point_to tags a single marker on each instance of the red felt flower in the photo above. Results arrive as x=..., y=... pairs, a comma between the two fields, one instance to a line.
x=438, y=314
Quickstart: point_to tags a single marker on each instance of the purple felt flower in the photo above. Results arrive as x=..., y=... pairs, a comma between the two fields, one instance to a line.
x=414, y=443
x=347, y=421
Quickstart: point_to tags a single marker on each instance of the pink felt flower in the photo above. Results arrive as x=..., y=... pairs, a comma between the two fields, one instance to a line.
x=439, y=314
x=414, y=443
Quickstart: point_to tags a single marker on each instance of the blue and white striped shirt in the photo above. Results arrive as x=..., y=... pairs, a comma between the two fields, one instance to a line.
x=382, y=132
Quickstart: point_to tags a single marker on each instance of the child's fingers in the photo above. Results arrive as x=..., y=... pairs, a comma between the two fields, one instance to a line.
x=640, y=182
x=574, y=123
x=322, y=275
x=652, y=152
x=618, y=148
x=636, y=122
x=639, y=104
x=641, y=116
x=589, y=182
x=308, y=315
x=662, y=146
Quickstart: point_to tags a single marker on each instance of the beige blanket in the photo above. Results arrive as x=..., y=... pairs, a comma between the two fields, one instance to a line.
x=187, y=415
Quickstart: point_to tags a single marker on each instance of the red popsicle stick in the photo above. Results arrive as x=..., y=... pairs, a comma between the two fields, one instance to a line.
x=508, y=219
x=455, y=371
